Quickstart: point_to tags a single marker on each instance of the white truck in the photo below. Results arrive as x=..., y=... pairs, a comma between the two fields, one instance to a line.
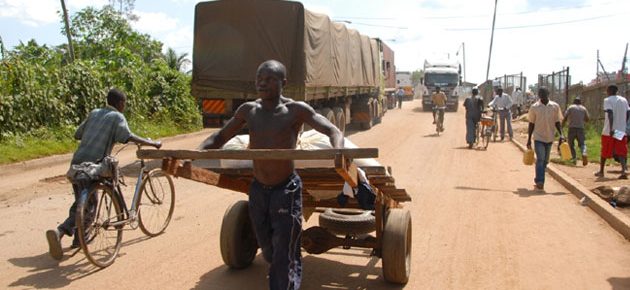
x=403, y=80
x=443, y=74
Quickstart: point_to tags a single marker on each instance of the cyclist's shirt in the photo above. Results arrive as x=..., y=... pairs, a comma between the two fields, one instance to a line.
x=98, y=133
x=439, y=99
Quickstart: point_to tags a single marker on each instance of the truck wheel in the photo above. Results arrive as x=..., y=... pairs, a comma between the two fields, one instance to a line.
x=340, y=119
x=328, y=114
x=368, y=124
x=238, y=241
x=396, y=246
x=347, y=222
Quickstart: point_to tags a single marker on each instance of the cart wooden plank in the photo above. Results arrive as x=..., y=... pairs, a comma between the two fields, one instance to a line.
x=259, y=154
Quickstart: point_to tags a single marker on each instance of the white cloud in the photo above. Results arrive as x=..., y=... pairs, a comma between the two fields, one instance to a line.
x=37, y=13
x=154, y=22
x=31, y=12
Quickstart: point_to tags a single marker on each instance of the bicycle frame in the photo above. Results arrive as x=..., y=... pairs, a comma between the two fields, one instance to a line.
x=130, y=214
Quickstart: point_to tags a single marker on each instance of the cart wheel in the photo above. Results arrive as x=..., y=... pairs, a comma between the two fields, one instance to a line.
x=238, y=241
x=347, y=222
x=396, y=247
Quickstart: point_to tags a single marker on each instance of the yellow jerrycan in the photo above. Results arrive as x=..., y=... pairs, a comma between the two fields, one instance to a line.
x=565, y=151
x=528, y=157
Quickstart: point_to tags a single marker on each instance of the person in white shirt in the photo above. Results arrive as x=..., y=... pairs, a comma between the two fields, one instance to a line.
x=614, y=137
x=519, y=100
x=502, y=102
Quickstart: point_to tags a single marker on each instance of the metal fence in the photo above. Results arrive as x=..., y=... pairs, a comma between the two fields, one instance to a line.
x=558, y=85
x=508, y=82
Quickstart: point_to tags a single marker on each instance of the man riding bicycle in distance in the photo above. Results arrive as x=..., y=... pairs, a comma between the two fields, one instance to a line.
x=98, y=133
x=439, y=102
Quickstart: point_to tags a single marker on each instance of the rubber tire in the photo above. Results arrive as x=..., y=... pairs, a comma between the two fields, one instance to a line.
x=340, y=119
x=81, y=230
x=396, y=246
x=237, y=240
x=328, y=114
x=368, y=125
x=347, y=222
x=156, y=173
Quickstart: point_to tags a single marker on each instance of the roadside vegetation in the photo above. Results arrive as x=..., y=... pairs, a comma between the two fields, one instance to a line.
x=45, y=95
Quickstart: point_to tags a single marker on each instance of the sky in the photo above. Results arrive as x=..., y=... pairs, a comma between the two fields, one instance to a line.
x=531, y=36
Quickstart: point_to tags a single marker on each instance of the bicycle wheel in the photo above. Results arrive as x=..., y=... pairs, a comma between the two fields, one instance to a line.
x=485, y=138
x=96, y=213
x=156, y=202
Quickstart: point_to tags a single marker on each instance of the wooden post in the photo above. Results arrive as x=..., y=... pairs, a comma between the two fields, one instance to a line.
x=67, y=24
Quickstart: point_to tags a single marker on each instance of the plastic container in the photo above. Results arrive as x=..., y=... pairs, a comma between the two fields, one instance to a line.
x=565, y=151
x=528, y=157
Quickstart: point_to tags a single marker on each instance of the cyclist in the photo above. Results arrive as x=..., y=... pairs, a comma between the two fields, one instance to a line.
x=502, y=102
x=474, y=107
x=98, y=133
x=439, y=102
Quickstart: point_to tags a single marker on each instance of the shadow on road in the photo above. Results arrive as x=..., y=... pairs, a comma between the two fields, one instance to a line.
x=619, y=283
x=432, y=135
x=524, y=192
x=482, y=189
x=420, y=110
x=319, y=273
x=45, y=272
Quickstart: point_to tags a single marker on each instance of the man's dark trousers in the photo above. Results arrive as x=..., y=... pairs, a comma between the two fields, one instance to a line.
x=276, y=215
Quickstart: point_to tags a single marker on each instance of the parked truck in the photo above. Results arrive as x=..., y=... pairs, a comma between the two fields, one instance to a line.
x=343, y=74
x=445, y=75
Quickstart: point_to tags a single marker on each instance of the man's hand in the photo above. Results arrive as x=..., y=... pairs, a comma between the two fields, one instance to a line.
x=529, y=144
x=562, y=139
x=612, y=133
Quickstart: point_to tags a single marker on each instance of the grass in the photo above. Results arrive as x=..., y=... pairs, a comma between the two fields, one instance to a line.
x=50, y=141
x=593, y=145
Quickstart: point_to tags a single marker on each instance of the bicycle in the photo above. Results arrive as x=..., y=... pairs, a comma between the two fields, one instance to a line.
x=488, y=129
x=102, y=213
x=439, y=124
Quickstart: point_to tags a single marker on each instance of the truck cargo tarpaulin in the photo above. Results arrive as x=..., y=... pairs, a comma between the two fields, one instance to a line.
x=316, y=51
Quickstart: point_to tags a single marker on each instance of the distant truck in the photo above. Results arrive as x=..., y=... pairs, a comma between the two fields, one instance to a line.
x=403, y=80
x=445, y=75
x=343, y=74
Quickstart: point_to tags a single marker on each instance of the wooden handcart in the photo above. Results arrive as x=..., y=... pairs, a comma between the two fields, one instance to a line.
x=391, y=240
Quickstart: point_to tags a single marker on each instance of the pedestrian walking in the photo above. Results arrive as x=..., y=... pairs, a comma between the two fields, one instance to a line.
x=399, y=96
x=577, y=116
x=614, y=137
x=502, y=102
x=519, y=101
x=474, y=108
x=544, y=115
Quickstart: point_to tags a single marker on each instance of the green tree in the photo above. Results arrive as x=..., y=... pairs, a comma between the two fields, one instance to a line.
x=99, y=33
x=125, y=7
x=416, y=76
x=176, y=61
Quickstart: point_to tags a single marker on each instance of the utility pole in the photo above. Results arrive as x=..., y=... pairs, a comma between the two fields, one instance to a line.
x=67, y=23
x=494, y=18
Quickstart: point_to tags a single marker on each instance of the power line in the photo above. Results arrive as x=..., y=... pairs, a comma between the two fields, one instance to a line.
x=515, y=13
x=534, y=25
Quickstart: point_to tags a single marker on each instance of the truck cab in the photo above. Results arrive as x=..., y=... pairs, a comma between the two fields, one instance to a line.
x=447, y=77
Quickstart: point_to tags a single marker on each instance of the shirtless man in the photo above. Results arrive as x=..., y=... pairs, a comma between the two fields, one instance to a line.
x=275, y=195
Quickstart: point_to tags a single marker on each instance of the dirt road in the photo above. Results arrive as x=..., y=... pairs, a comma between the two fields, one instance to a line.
x=477, y=224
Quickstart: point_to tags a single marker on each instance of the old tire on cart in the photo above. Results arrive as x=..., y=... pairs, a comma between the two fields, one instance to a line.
x=340, y=119
x=396, y=246
x=238, y=241
x=347, y=221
